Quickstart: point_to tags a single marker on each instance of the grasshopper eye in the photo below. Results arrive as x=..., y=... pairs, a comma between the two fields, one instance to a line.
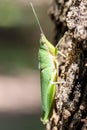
x=42, y=41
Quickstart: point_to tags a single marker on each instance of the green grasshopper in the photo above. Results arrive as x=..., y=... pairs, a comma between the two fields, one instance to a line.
x=48, y=65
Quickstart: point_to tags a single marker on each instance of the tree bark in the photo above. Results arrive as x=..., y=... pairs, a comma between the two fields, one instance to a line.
x=70, y=110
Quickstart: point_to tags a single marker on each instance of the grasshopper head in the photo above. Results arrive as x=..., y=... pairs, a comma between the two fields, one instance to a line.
x=46, y=45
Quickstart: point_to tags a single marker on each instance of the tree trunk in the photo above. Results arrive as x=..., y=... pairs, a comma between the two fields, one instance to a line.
x=70, y=19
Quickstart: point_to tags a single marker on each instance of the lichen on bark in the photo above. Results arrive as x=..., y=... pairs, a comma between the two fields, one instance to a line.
x=70, y=19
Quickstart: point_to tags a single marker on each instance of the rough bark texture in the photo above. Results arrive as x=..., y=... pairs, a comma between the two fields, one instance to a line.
x=70, y=19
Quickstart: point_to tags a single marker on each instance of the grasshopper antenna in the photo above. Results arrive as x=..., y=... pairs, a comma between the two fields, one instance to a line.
x=36, y=17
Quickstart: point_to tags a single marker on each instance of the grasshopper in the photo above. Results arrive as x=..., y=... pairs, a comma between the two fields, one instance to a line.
x=48, y=65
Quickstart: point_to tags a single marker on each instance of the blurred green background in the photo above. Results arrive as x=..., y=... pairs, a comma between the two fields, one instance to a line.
x=20, y=102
